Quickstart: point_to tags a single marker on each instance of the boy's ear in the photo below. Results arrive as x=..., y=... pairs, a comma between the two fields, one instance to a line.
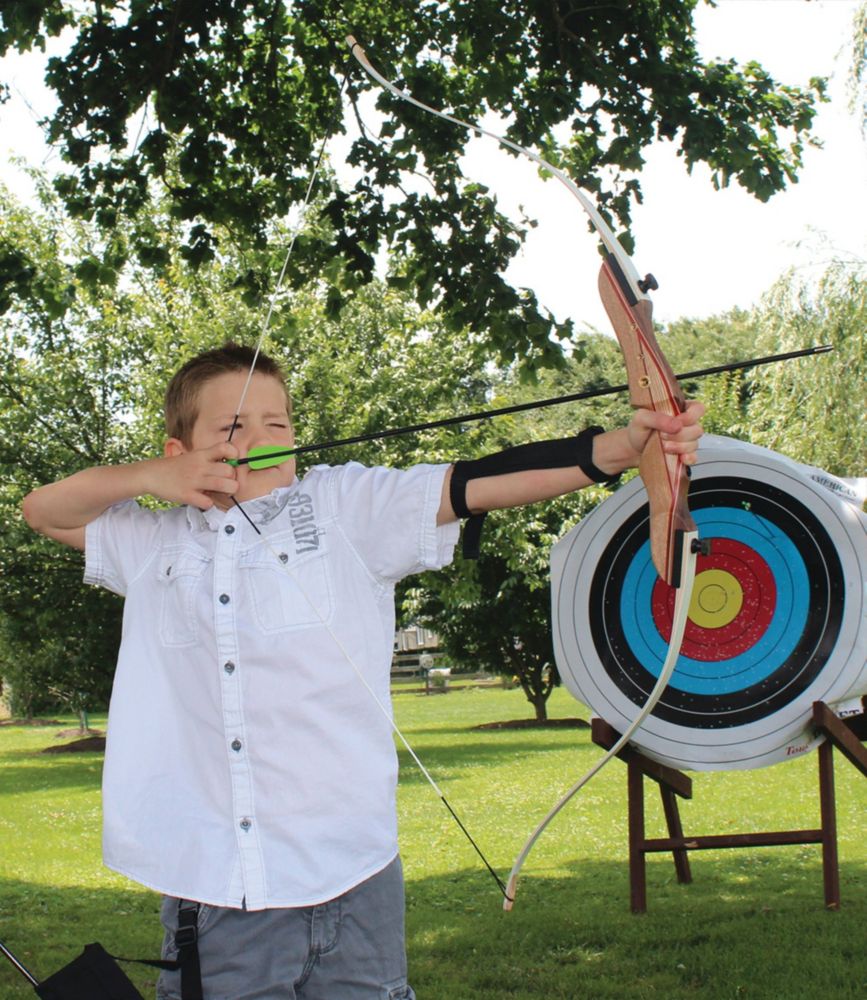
x=173, y=447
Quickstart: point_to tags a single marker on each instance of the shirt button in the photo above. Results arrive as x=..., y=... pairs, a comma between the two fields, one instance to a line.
x=246, y=823
x=229, y=667
x=230, y=529
x=284, y=558
x=224, y=598
x=236, y=745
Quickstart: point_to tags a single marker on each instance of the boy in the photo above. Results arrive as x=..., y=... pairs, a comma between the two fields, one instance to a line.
x=249, y=777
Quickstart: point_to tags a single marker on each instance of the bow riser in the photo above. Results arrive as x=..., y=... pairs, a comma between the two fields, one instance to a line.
x=652, y=386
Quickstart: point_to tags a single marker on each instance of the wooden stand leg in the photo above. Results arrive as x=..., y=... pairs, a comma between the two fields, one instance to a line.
x=827, y=805
x=637, y=862
x=675, y=832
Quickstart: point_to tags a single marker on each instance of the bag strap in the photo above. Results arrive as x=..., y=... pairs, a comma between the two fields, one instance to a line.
x=187, y=944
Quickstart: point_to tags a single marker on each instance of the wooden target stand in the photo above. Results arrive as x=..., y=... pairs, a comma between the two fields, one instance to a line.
x=847, y=735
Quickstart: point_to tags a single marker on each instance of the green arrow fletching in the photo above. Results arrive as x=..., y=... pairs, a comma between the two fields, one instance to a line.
x=266, y=456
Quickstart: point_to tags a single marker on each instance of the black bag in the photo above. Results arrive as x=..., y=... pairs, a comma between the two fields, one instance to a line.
x=94, y=975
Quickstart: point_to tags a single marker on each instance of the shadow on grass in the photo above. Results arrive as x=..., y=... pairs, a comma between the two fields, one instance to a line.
x=27, y=772
x=454, y=758
x=506, y=727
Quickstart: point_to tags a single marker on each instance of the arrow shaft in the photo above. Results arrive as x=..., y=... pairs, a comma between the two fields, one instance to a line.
x=466, y=418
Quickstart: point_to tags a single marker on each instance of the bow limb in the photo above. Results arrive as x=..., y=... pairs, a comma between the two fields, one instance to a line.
x=606, y=235
x=674, y=542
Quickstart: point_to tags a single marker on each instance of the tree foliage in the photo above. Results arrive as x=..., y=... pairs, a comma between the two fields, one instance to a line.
x=813, y=410
x=64, y=358
x=858, y=67
x=222, y=106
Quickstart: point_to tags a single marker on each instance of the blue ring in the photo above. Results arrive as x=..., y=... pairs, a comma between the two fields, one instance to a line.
x=721, y=677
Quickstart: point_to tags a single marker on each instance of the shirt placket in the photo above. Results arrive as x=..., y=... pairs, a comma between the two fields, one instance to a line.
x=230, y=665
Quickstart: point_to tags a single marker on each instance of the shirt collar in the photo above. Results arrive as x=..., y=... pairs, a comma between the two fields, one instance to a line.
x=260, y=510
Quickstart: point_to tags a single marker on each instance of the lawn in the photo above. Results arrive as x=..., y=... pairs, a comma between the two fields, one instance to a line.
x=751, y=925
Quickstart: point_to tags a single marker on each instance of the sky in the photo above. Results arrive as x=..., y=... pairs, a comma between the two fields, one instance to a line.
x=710, y=251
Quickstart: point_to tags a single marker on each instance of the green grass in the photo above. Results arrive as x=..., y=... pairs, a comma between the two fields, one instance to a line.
x=751, y=925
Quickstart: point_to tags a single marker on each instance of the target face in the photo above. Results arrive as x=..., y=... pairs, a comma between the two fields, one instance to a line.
x=776, y=619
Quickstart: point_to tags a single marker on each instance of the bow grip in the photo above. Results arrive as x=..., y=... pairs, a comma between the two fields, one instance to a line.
x=665, y=479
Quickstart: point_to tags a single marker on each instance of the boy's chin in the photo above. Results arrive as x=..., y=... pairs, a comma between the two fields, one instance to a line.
x=261, y=483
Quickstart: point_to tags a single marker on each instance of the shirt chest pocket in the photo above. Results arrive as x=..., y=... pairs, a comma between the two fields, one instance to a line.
x=287, y=591
x=180, y=571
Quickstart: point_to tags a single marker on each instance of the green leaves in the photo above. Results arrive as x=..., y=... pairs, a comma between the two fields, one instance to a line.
x=221, y=106
x=26, y=23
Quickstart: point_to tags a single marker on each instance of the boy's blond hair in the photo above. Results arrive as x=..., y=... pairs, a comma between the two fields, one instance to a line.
x=182, y=394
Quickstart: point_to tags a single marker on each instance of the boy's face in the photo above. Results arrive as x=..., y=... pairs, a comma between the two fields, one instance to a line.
x=264, y=420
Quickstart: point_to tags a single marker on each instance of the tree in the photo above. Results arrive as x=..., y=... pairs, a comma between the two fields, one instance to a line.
x=858, y=68
x=813, y=410
x=67, y=360
x=221, y=106
x=495, y=614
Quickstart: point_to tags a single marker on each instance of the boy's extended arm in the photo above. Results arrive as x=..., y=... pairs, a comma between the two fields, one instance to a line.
x=612, y=453
x=62, y=510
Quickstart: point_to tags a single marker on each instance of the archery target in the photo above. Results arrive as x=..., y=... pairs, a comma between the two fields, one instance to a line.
x=776, y=618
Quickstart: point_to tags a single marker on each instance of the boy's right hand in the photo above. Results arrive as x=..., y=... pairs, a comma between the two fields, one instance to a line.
x=199, y=478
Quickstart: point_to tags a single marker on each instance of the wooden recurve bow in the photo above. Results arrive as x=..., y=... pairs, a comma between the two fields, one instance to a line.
x=652, y=385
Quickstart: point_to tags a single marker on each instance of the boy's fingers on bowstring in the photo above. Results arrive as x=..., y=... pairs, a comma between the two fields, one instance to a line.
x=218, y=484
x=206, y=493
x=218, y=454
x=202, y=474
x=216, y=473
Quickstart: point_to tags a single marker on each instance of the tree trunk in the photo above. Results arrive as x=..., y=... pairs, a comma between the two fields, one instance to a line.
x=535, y=689
x=540, y=704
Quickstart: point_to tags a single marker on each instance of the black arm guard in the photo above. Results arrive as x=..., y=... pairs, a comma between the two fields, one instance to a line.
x=559, y=454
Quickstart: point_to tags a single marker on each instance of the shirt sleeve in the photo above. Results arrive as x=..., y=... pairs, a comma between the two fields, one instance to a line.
x=119, y=544
x=389, y=517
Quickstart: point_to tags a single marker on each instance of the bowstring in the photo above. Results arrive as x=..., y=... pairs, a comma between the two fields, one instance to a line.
x=322, y=620
x=266, y=323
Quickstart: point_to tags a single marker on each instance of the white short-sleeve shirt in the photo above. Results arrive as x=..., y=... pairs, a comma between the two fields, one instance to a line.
x=246, y=762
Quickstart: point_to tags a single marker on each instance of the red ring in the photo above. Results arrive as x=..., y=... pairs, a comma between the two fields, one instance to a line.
x=747, y=627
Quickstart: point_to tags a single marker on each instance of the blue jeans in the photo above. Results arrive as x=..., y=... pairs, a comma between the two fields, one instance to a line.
x=350, y=948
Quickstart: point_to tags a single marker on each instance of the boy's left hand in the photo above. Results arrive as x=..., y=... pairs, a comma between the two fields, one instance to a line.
x=679, y=434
